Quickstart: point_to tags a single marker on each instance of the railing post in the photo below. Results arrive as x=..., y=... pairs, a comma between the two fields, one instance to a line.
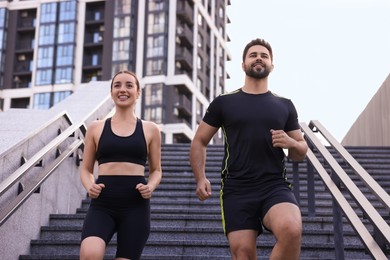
x=380, y=239
x=337, y=224
x=310, y=190
x=296, y=188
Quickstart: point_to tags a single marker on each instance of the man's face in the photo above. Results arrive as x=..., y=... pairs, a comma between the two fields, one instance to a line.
x=257, y=62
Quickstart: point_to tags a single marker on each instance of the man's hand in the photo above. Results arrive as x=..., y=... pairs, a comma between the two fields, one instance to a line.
x=281, y=139
x=203, y=189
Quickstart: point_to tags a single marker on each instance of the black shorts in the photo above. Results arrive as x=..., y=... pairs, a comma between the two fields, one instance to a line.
x=120, y=208
x=245, y=207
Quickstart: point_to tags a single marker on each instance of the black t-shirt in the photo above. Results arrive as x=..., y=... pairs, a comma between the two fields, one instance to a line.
x=246, y=121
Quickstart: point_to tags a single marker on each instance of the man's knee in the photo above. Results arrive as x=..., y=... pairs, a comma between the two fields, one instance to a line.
x=243, y=244
x=242, y=251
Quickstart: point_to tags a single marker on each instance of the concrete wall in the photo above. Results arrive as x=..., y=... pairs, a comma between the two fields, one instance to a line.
x=372, y=127
x=24, y=133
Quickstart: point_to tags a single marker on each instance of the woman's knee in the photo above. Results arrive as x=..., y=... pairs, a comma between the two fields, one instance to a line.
x=92, y=248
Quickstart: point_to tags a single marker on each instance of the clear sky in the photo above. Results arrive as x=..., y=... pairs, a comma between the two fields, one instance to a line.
x=330, y=56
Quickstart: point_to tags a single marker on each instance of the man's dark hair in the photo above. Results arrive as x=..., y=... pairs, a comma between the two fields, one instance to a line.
x=254, y=42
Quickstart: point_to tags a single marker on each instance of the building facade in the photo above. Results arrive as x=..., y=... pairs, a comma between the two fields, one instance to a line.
x=372, y=127
x=178, y=48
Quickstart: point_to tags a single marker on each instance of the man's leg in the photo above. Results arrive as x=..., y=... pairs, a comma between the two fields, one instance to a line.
x=243, y=244
x=285, y=222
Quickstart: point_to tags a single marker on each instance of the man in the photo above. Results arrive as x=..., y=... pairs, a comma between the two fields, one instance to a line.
x=257, y=126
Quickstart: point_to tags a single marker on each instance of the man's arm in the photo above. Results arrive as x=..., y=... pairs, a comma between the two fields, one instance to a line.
x=293, y=141
x=202, y=137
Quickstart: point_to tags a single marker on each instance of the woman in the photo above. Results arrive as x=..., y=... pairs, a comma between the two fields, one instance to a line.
x=120, y=195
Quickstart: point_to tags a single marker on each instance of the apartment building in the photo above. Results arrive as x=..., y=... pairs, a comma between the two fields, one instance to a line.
x=178, y=48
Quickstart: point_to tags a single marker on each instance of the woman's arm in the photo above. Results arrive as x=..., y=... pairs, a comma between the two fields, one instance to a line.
x=153, y=138
x=87, y=165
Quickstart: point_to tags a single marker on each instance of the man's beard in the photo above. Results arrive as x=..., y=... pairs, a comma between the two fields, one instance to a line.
x=257, y=74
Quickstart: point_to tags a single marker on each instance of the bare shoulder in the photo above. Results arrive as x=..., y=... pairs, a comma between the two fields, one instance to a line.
x=150, y=126
x=95, y=127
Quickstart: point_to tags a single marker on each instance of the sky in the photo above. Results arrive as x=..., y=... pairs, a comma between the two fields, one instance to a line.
x=330, y=56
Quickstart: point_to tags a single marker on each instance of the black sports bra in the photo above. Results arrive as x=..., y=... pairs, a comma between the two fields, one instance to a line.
x=114, y=148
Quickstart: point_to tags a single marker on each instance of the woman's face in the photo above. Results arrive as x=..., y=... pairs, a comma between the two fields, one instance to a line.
x=124, y=90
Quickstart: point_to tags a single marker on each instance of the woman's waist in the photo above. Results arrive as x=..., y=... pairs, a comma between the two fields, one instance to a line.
x=121, y=169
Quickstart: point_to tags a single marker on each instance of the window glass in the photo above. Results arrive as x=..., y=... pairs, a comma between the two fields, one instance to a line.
x=45, y=57
x=48, y=12
x=68, y=10
x=66, y=32
x=153, y=94
x=43, y=77
x=156, y=23
x=155, y=46
x=122, y=6
x=42, y=101
x=46, y=34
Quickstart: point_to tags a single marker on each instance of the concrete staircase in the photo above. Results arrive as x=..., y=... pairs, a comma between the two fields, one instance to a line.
x=185, y=228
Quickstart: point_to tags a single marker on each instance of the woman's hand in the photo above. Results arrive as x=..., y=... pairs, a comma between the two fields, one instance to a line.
x=145, y=190
x=95, y=190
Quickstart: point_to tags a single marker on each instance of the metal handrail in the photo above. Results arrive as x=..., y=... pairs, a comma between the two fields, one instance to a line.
x=42, y=127
x=359, y=197
x=350, y=214
x=28, y=191
x=373, y=185
x=10, y=208
x=19, y=173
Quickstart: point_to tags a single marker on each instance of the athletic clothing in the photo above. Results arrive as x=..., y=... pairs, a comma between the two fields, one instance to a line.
x=114, y=148
x=245, y=208
x=120, y=208
x=250, y=160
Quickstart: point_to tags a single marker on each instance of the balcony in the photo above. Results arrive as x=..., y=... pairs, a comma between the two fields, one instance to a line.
x=185, y=12
x=183, y=58
x=184, y=106
x=185, y=35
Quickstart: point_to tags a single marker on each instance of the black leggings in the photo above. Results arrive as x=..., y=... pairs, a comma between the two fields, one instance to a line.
x=120, y=208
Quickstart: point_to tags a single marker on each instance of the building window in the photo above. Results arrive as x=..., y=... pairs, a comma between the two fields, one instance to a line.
x=156, y=5
x=68, y=10
x=155, y=46
x=156, y=23
x=121, y=26
x=123, y=7
x=63, y=75
x=200, y=20
x=45, y=57
x=42, y=101
x=124, y=35
x=200, y=41
x=199, y=108
x=66, y=32
x=43, y=77
x=199, y=63
x=153, y=94
x=56, y=36
x=153, y=114
x=221, y=12
x=48, y=12
x=59, y=96
x=46, y=34
x=199, y=84
x=65, y=55
x=155, y=67
x=153, y=99
x=120, y=49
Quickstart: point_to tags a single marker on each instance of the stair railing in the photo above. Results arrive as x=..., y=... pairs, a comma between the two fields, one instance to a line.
x=10, y=208
x=340, y=202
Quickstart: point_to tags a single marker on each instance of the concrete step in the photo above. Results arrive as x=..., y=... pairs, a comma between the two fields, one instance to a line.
x=185, y=248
